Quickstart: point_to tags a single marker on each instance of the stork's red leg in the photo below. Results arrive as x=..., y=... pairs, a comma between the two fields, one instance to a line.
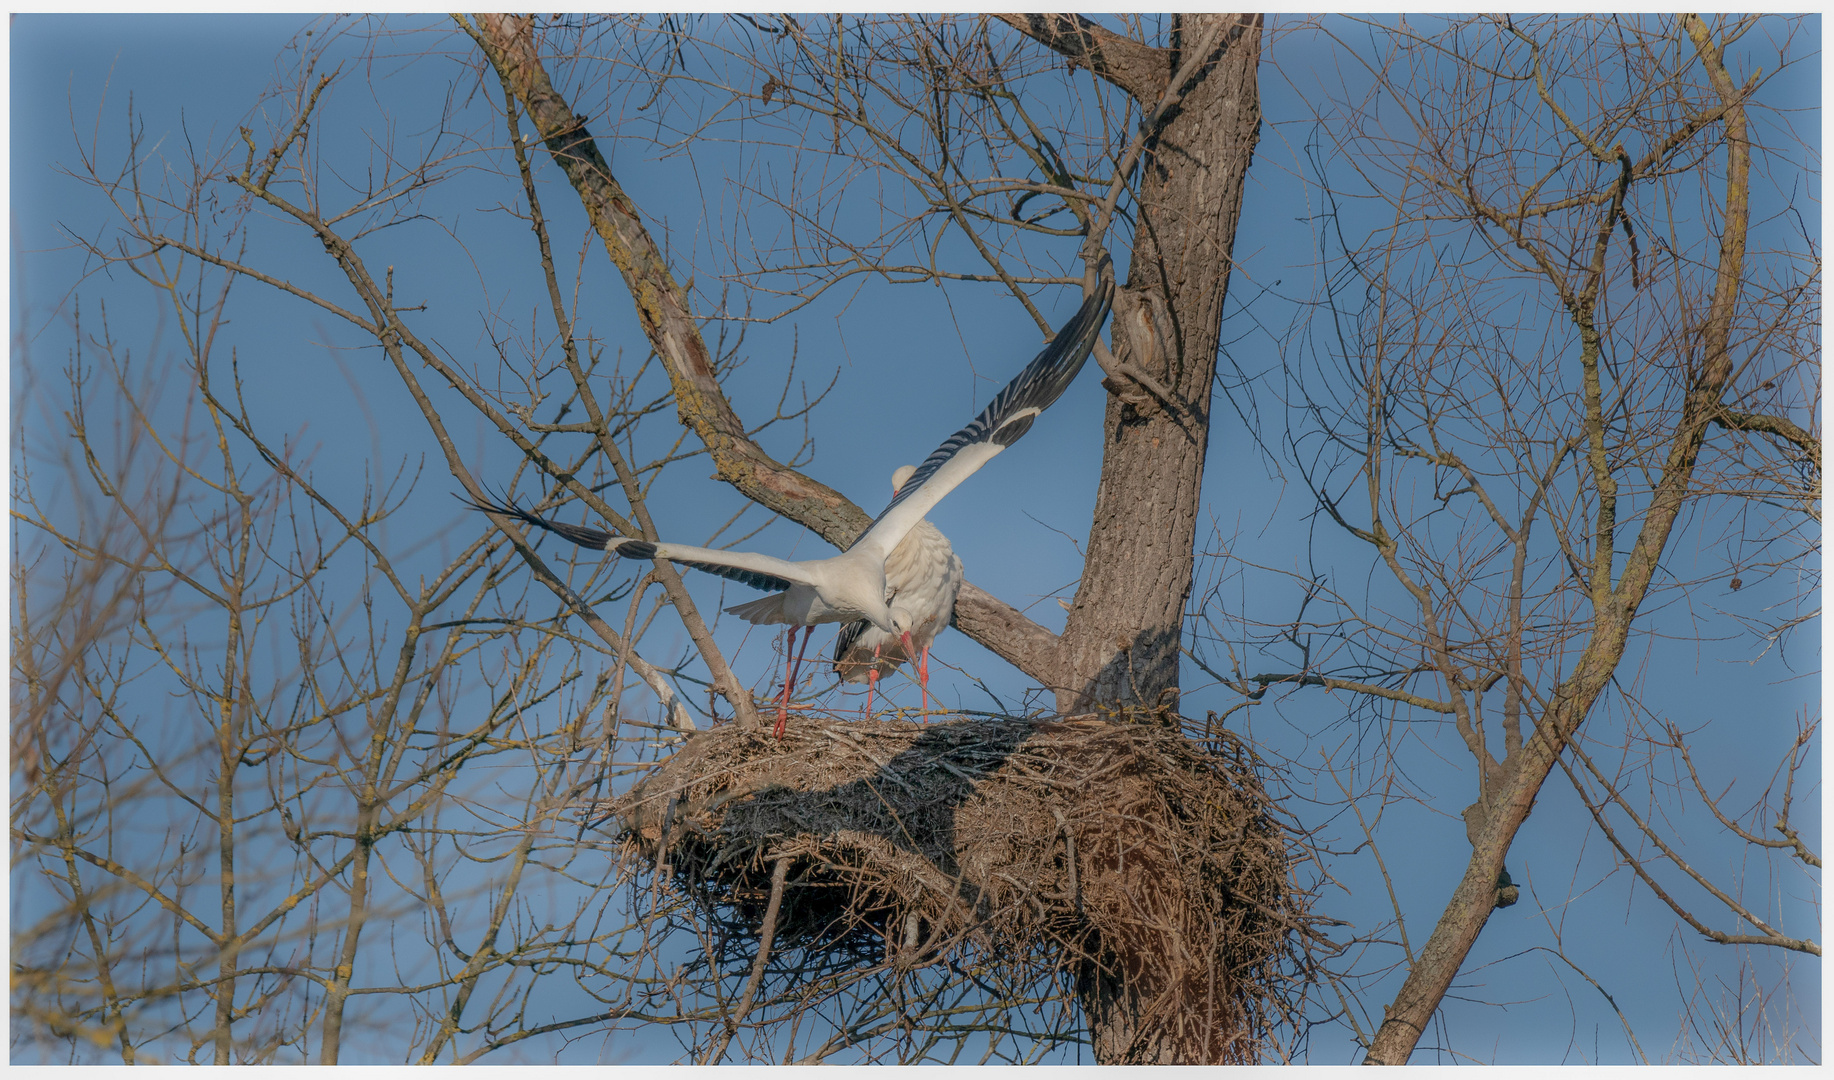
x=783, y=703
x=789, y=677
x=872, y=680
x=807, y=633
x=910, y=653
x=923, y=677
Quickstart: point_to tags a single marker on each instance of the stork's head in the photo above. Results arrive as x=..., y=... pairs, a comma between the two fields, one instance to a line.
x=895, y=621
x=902, y=625
x=901, y=477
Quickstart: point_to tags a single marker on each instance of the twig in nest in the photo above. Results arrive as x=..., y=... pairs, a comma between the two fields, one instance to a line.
x=1069, y=855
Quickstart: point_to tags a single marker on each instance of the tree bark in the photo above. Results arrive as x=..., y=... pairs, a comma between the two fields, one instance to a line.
x=662, y=305
x=1139, y=69
x=1120, y=646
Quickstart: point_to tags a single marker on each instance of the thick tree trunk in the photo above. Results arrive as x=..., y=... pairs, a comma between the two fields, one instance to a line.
x=1120, y=645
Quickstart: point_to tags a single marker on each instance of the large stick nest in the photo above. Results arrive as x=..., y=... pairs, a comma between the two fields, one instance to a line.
x=1147, y=872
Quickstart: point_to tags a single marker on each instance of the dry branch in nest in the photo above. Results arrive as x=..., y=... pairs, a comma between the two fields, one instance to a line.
x=1132, y=867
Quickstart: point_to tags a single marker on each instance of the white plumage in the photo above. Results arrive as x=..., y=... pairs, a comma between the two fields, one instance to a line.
x=922, y=577
x=851, y=586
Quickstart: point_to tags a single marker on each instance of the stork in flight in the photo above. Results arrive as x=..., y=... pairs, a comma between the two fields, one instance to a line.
x=922, y=577
x=850, y=587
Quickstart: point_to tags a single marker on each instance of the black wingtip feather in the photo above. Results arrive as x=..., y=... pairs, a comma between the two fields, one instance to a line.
x=1041, y=383
x=584, y=537
x=634, y=549
x=849, y=634
x=1010, y=432
x=628, y=547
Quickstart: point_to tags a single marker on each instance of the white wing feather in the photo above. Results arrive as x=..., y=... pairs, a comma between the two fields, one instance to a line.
x=901, y=518
x=766, y=565
x=1003, y=422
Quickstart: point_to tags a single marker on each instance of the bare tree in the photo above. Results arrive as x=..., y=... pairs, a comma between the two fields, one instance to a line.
x=927, y=102
x=924, y=103
x=332, y=758
x=1561, y=357
x=264, y=747
x=228, y=854
x=367, y=830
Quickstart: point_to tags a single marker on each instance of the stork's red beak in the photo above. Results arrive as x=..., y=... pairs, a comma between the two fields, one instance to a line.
x=910, y=647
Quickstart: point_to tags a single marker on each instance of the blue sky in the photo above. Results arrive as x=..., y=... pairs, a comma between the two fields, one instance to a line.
x=910, y=365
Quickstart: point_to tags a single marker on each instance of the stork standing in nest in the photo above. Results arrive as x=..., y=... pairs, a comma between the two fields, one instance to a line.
x=922, y=577
x=851, y=586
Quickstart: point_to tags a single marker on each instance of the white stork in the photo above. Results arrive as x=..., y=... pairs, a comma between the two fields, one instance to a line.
x=922, y=577
x=850, y=587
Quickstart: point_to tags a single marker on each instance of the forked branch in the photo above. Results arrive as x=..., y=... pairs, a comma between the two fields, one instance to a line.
x=664, y=311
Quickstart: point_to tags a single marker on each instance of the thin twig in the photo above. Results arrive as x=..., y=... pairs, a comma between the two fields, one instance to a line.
x=767, y=933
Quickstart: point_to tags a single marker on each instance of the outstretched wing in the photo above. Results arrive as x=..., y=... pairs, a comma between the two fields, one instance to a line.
x=1000, y=424
x=584, y=537
x=747, y=568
